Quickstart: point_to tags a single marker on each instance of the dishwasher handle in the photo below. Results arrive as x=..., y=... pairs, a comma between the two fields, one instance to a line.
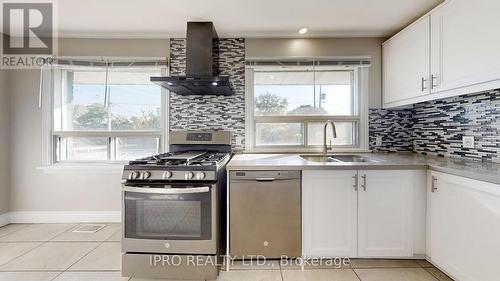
x=265, y=179
x=261, y=180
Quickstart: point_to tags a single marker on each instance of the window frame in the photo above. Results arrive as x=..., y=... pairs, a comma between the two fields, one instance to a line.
x=51, y=86
x=360, y=120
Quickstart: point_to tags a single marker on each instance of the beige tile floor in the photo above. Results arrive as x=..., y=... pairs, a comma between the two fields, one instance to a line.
x=52, y=252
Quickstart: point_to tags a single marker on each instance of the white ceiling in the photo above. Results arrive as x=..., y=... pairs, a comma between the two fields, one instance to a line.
x=245, y=18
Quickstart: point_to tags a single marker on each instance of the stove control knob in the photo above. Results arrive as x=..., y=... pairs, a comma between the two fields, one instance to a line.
x=133, y=175
x=145, y=175
x=189, y=175
x=167, y=175
x=200, y=175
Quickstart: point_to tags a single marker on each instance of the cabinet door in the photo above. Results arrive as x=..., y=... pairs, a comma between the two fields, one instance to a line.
x=464, y=227
x=406, y=63
x=465, y=43
x=385, y=209
x=329, y=213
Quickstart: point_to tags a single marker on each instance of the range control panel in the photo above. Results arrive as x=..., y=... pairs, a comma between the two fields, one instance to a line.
x=199, y=137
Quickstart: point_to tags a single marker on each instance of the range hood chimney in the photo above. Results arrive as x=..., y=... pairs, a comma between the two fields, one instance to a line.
x=202, y=65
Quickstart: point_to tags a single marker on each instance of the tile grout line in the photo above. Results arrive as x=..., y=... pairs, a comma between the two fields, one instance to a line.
x=3, y=264
x=51, y=241
x=435, y=277
x=355, y=273
x=28, y=224
x=75, y=225
x=41, y=244
x=281, y=272
x=100, y=243
x=420, y=267
x=57, y=276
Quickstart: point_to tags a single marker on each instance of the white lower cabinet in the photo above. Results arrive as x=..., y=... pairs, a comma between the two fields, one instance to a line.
x=463, y=223
x=375, y=213
x=329, y=213
x=385, y=205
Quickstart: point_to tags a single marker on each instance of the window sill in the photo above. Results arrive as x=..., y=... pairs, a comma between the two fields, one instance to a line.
x=97, y=169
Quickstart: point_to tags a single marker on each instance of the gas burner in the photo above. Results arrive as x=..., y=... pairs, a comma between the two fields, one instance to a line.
x=193, y=157
x=204, y=158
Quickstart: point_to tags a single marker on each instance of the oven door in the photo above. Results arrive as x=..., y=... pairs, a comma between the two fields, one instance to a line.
x=170, y=219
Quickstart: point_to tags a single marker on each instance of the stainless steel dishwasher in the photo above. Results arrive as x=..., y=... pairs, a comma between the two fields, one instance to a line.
x=265, y=214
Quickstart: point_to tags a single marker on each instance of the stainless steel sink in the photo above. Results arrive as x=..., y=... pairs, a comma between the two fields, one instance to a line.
x=337, y=158
x=352, y=158
x=318, y=158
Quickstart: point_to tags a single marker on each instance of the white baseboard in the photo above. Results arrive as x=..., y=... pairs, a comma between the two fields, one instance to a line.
x=4, y=219
x=64, y=217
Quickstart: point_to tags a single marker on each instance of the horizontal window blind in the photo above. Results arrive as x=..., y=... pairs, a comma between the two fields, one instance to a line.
x=312, y=62
x=72, y=63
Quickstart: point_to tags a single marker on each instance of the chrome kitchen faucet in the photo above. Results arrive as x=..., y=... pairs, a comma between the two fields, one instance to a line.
x=334, y=132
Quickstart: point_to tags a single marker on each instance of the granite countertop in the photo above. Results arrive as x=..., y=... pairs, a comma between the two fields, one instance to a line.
x=484, y=171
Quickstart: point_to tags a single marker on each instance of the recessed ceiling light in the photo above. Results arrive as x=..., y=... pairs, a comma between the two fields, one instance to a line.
x=302, y=30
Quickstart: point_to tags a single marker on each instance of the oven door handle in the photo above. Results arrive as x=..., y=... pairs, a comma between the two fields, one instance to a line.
x=203, y=189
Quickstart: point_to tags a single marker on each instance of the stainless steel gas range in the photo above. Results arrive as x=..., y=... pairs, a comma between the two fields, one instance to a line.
x=173, y=205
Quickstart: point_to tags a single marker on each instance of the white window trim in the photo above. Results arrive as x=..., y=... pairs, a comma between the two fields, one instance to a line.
x=46, y=104
x=361, y=85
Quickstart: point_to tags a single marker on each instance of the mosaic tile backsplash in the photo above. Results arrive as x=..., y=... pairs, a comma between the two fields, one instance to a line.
x=437, y=127
x=394, y=127
x=211, y=112
x=440, y=126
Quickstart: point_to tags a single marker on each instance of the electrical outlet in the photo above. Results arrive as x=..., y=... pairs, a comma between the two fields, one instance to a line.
x=468, y=142
x=239, y=141
x=378, y=141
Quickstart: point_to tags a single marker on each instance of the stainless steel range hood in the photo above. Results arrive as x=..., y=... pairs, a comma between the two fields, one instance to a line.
x=202, y=67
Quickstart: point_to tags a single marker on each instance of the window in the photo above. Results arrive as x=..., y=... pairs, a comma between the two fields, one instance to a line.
x=290, y=104
x=106, y=114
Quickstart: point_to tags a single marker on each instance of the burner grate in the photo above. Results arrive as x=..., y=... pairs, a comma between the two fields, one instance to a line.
x=207, y=158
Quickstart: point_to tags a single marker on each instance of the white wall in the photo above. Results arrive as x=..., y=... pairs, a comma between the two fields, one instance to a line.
x=310, y=47
x=4, y=143
x=33, y=190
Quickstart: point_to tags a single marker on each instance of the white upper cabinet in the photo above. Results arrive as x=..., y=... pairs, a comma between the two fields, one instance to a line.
x=329, y=206
x=455, y=47
x=464, y=227
x=406, y=63
x=465, y=45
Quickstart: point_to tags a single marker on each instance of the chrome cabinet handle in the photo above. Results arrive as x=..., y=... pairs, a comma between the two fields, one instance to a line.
x=434, y=184
x=423, y=84
x=363, y=185
x=355, y=185
x=433, y=85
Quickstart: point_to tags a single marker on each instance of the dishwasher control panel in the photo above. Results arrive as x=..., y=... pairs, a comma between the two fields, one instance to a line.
x=256, y=175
